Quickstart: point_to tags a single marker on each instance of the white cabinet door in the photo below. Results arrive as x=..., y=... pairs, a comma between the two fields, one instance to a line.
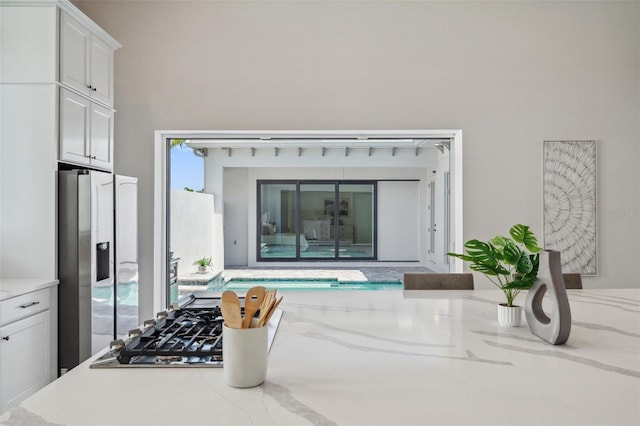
x=126, y=258
x=101, y=71
x=101, y=137
x=86, y=62
x=74, y=128
x=24, y=362
x=75, y=43
x=86, y=131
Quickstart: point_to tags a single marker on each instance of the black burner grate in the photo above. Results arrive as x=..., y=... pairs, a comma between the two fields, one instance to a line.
x=186, y=336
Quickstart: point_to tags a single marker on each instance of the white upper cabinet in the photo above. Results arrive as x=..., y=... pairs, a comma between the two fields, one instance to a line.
x=101, y=71
x=101, y=137
x=86, y=61
x=75, y=42
x=86, y=131
x=74, y=127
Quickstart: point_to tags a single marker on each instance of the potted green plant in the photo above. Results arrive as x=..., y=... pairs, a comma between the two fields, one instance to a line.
x=511, y=264
x=203, y=263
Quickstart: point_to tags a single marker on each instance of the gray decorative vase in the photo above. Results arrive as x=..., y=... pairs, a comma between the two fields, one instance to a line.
x=554, y=329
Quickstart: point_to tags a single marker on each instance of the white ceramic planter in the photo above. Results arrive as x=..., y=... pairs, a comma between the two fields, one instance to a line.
x=509, y=316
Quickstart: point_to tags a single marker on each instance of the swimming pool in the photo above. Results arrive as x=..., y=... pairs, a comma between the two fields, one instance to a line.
x=244, y=284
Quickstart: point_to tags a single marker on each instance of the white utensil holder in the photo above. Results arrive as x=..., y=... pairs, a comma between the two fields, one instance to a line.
x=244, y=355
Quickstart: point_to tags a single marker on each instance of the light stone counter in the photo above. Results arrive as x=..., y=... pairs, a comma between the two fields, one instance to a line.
x=18, y=286
x=385, y=358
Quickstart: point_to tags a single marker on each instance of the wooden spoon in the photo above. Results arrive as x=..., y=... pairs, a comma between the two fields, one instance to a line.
x=231, y=297
x=231, y=314
x=252, y=301
x=231, y=311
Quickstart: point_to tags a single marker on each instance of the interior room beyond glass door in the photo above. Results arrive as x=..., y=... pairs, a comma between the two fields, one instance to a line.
x=316, y=220
x=317, y=211
x=277, y=204
x=355, y=216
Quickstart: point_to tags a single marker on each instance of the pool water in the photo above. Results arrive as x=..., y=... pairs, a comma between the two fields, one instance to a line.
x=244, y=284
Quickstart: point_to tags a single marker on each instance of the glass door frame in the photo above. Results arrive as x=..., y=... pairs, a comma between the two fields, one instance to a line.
x=298, y=220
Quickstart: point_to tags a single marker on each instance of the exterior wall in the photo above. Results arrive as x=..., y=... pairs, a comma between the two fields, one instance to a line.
x=236, y=217
x=439, y=261
x=402, y=216
x=237, y=190
x=509, y=74
x=192, y=235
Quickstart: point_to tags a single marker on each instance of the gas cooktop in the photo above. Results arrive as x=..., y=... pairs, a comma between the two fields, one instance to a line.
x=188, y=334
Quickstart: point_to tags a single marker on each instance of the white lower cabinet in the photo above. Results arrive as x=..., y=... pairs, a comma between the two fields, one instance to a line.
x=25, y=347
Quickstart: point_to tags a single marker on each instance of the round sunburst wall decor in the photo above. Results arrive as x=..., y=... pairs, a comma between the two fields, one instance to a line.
x=569, y=203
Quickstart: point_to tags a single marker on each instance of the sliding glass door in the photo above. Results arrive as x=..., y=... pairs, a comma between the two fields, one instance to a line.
x=277, y=230
x=316, y=220
x=316, y=216
x=356, y=220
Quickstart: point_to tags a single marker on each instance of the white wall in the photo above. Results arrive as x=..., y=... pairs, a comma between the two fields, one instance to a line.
x=240, y=196
x=192, y=224
x=439, y=261
x=509, y=74
x=28, y=142
x=237, y=190
x=28, y=214
x=236, y=226
x=401, y=220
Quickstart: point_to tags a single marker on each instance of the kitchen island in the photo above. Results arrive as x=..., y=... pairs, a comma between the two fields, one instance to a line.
x=385, y=358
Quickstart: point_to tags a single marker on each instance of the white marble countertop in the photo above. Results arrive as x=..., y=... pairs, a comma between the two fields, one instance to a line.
x=385, y=358
x=13, y=287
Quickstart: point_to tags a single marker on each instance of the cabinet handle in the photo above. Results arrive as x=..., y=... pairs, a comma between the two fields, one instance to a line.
x=94, y=89
x=89, y=87
x=6, y=338
x=28, y=305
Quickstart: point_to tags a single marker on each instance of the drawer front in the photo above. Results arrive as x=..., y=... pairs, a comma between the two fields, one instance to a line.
x=25, y=305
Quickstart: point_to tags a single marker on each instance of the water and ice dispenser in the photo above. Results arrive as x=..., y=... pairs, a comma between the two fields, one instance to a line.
x=102, y=261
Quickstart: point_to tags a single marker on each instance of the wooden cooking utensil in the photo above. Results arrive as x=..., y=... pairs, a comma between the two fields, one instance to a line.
x=231, y=314
x=269, y=295
x=252, y=301
x=231, y=297
x=271, y=309
x=269, y=299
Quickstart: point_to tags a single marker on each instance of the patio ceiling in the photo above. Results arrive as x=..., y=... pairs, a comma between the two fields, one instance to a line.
x=413, y=140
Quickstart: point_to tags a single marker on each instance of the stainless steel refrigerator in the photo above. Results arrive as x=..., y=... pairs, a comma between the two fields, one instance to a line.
x=97, y=262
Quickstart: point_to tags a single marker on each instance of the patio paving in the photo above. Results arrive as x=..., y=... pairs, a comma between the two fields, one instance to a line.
x=353, y=274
